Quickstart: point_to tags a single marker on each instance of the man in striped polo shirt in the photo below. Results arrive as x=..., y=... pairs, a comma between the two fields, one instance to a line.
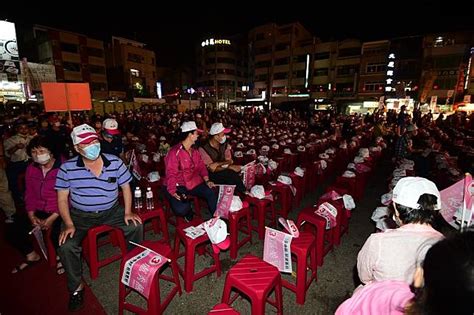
x=90, y=183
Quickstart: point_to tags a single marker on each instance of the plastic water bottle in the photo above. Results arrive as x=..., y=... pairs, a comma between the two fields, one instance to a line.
x=138, y=199
x=149, y=199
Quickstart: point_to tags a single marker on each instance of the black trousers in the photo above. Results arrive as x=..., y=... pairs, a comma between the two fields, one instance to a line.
x=17, y=232
x=228, y=177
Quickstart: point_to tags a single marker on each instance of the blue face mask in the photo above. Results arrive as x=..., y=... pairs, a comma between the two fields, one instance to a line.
x=92, y=152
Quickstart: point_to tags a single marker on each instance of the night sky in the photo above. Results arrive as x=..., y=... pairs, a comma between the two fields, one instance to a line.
x=175, y=31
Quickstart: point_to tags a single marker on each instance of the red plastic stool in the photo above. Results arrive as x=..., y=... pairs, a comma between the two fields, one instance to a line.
x=350, y=184
x=171, y=217
x=302, y=248
x=341, y=214
x=90, y=246
x=261, y=205
x=317, y=224
x=284, y=196
x=158, y=221
x=299, y=183
x=235, y=219
x=190, y=248
x=256, y=279
x=154, y=304
x=223, y=309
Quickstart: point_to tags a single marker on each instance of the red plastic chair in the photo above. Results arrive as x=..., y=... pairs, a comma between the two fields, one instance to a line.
x=190, y=248
x=90, y=247
x=154, y=303
x=158, y=220
x=261, y=206
x=302, y=248
x=236, y=225
x=223, y=309
x=256, y=279
x=283, y=195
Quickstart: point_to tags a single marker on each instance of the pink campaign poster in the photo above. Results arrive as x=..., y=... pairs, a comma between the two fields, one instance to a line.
x=226, y=193
x=249, y=175
x=277, y=249
x=454, y=198
x=140, y=270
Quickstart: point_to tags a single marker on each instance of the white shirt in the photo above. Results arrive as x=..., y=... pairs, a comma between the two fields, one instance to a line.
x=394, y=254
x=20, y=154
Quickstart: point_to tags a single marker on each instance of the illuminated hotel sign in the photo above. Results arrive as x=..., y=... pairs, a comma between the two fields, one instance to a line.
x=212, y=41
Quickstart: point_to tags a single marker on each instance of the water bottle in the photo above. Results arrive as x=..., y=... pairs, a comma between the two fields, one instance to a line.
x=149, y=199
x=138, y=199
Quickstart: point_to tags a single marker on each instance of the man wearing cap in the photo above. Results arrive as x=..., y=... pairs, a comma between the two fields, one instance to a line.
x=217, y=156
x=186, y=174
x=394, y=254
x=111, y=142
x=90, y=184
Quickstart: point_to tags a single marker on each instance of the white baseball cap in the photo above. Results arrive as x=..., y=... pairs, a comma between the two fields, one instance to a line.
x=257, y=191
x=189, y=126
x=285, y=180
x=83, y=134
x=272, y=165
x=287, y=151
x=408, y=190
x=110, y=125
x=299, y=171
x=348, y=174
x=301, y=148
x=153, y=176
x=238, y=154
x=217, y=128
x=236, y=204
x=216, y=230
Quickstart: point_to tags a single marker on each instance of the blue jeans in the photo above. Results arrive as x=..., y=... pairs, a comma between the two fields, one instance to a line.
x=183, y=207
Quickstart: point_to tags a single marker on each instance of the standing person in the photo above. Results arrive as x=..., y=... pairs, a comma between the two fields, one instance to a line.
x=186, y=174
x=90, y=183
x=217, y=156
x=404, y=144
x=41, y=202
x=6, y=201
x=15, y=151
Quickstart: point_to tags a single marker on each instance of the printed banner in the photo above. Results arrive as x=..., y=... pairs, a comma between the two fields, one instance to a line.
x=140, y=270
x=328, y=212
x=290, y=227
x=277, y=249
x=454, y=198
x=224, y=200
x=249, y=175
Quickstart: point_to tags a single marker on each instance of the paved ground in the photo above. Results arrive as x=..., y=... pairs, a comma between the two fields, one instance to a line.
x=335, y=277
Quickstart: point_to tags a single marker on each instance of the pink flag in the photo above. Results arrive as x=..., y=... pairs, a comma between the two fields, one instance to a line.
x=468, y=191
x=452, y=201
x=136, y=170
x=249, y=175
x=224, y=200
x=277, y=249
x=38, y=233
x=328, y=212
x=290, y=227
x=139, y=271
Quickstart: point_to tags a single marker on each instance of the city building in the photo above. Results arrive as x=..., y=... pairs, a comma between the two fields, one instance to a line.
x=76, y=57
x=131, y=68
x=222, y=70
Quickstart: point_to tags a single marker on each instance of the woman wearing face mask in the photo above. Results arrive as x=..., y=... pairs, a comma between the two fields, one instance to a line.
x=186, y=174
x=40, y=200
x=392, y=255
x=217, y=156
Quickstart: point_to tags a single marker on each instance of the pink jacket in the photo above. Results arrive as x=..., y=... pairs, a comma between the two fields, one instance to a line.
x=183, y=169
x=40, y=193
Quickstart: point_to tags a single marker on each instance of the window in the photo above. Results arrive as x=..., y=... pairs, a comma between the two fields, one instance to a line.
x=347, y=70
x=349, y=52
x=263, y=50
x=375, y=67
x=321, y=56
x=98, y=86
x=71, y=48
x=373, y=86
x=263, y=64
x=95, y=52
x=134, y=73
x=225, y=60
x=209, y=72
x=283, y=46
x=345, y=87
x=261, y=77
x=299, y=74
x=135, y=58
x=300, y=58
x=210, y=61
x=97, y=69
x=71, y=66
x=280, y=76
x=260, y=36
x=321, y=72
x=282, y=61
x=320, y=88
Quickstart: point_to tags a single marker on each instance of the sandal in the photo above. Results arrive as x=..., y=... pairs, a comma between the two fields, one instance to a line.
x=25, y=264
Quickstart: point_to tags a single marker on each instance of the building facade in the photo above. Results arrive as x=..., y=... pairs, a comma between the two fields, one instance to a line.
x=76, y=57
x=131, y=68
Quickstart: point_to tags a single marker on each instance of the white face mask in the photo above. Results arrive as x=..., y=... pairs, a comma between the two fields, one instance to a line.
x=42, y=158
x=223, y=140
